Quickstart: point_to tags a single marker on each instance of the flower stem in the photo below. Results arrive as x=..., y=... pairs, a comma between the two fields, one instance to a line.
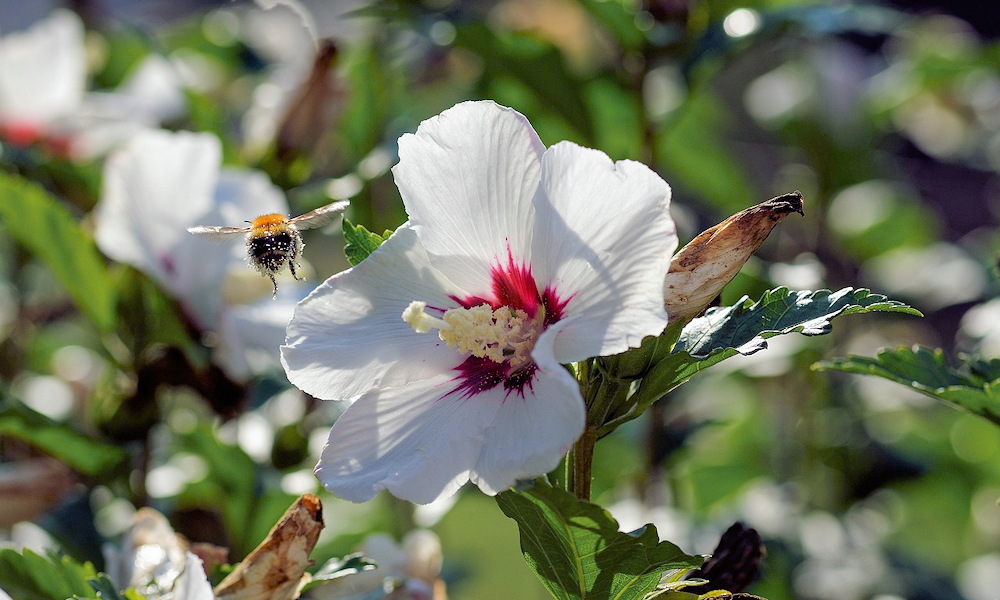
x=583, y=463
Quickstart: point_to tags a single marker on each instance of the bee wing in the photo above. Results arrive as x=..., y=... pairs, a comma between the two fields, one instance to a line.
x=216, y=231
x=319, y=217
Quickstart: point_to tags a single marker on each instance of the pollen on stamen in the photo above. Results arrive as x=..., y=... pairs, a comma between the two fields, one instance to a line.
x=500, y=335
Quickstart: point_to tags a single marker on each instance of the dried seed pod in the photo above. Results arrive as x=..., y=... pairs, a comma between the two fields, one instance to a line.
x=274, y=570
x=705, y=265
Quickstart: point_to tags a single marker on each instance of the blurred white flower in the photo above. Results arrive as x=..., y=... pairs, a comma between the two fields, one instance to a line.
x=43, y=76
x=160, y=184
x=525, y=259
x=982, y=324
x=407, y=571
x=43, y=98
x=156, y=562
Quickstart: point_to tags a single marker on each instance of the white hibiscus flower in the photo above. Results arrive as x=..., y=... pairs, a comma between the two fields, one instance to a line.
x=525, y=259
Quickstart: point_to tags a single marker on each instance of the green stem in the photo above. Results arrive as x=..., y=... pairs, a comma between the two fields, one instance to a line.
x=583, y=463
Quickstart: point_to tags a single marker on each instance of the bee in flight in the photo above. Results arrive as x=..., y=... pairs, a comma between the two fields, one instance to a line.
x=273, y=240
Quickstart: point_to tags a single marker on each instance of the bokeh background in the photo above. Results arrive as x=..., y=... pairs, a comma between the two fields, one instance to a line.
x=885, y=115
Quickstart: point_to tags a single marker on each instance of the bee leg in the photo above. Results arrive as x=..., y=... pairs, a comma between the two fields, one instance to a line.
x=274, y=283
x=291, y=267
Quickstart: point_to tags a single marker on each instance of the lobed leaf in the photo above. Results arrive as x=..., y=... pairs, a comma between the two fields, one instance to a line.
x=746, y=325
x=973, y=387
x=744, y=328
x=40, y=223
x=577, y=551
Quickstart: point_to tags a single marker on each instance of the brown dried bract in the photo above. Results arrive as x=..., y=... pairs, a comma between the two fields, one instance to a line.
x=275, y=568
x=703, y=267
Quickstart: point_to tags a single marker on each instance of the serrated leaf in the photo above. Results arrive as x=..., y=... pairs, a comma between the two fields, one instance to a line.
x=744, y=328
x=746, y=325
x=40, y=223
x=361, y=242
x=30, y=576
x=973, y=387
x=83, y=453
x=577, y=551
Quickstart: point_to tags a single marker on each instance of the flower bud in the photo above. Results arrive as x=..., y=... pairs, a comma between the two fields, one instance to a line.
x=705, y=265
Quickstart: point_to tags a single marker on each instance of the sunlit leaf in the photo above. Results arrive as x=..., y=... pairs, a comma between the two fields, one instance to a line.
x=973, y=387
x=744, y=328
x=30, y=576
x=746, y=325
x=361, y=242
x=40, y=223
x=82, y=453
x=578, y=552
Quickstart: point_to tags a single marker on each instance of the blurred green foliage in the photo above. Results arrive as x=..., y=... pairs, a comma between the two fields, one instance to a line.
x=887, y=120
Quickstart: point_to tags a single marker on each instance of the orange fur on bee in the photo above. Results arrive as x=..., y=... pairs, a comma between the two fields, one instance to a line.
x=269, y=223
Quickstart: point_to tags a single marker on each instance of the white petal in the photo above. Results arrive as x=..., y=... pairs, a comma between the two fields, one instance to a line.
x=153, y=188
x=409, y=440
x=349, y=334
x=43, y=70
x=605, y=237
x=467, y=177
x=530, y=434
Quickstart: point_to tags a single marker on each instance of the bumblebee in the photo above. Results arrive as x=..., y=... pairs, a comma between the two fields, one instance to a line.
x=273, y=240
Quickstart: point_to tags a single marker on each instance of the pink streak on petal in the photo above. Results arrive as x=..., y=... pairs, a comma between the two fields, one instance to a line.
x=513, y=285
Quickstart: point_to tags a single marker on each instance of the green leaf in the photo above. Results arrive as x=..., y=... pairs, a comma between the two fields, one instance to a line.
x=577, y=552
x=973, y=387
x=29, y=576
x=40, y=223
x=361, y=242
x=745, y=325
x=82, y=453
x=744, y=328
